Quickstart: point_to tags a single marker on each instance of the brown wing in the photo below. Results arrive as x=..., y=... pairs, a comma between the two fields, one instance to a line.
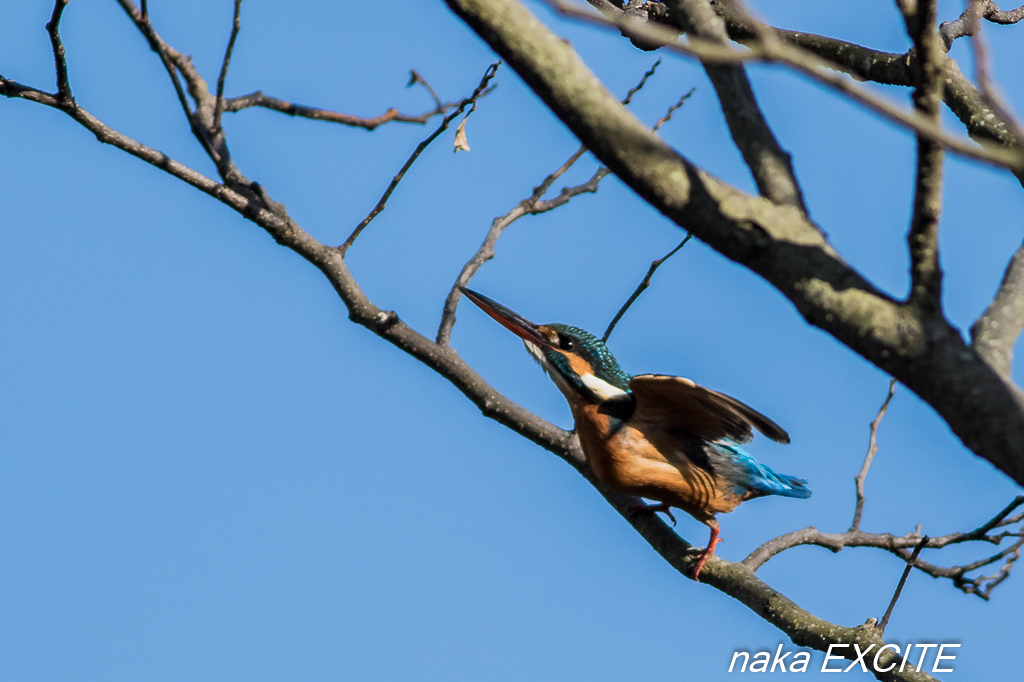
x=678, y=402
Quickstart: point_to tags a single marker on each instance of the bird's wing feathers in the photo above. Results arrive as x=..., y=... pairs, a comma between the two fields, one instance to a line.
x=681, y=403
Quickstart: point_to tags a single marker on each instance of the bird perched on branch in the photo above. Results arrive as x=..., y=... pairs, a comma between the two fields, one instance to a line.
x=655, y=436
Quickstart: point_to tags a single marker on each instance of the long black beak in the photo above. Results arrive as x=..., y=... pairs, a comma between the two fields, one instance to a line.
x=509, y=319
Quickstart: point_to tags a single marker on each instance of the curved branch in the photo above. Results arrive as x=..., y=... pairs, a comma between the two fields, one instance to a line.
x=532, y=205
x=967, y=23
x=535, y=204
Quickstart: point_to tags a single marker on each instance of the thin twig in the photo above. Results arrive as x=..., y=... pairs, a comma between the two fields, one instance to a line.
x=259, y=99
x=641, y=287
x=414, y=78
x=532, y=205
x=480, y=90
x=872, y=451
x=164, y=51
x=628, y=99
x=672, y=109
x=903, y=581
x=59, y=57
x=236, y=25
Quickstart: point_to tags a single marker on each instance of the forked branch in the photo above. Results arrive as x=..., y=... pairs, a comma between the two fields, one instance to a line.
x=481, y=89
x=980, y=585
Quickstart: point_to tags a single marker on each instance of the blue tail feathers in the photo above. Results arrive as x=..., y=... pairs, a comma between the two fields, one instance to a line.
x=748, y=475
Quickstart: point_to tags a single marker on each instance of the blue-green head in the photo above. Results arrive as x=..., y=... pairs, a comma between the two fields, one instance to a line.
x=577, y=361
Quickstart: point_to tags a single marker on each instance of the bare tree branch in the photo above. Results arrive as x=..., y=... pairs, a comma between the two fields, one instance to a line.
x=770, y=165
x=923, y=238
x=59, y=57
x=236, y=26
x=962, y=98
x=994, y=334
x=997, y=16
x=854, y=537
x=168, y=56
x=967, y=23
x=902, y=582
x=640, y=288
x=982, y=71
x=481, y=90
x=898, y=545
x=200, y=118
x=672, y=110
x=807, y=63
x=258, y=99
x=872, y=451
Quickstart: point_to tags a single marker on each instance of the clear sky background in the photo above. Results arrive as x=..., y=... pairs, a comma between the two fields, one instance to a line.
x=208, y=473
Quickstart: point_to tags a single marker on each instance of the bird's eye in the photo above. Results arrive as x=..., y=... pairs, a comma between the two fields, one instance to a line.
x=565, y=343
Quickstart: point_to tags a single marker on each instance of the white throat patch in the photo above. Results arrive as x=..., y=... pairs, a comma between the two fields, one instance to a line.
x=601, y=388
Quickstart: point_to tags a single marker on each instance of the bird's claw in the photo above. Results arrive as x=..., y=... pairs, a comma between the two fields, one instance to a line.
x=654, y=508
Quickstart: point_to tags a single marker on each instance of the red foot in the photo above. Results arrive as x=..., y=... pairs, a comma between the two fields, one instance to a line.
x=706, y=553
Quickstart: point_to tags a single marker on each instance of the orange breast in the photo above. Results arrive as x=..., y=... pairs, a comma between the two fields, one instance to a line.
x=648, y=465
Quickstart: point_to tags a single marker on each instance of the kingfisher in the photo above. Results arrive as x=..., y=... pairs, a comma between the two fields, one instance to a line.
x=660, y=437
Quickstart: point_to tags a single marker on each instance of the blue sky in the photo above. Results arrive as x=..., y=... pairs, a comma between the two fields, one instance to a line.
x=209, y=473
